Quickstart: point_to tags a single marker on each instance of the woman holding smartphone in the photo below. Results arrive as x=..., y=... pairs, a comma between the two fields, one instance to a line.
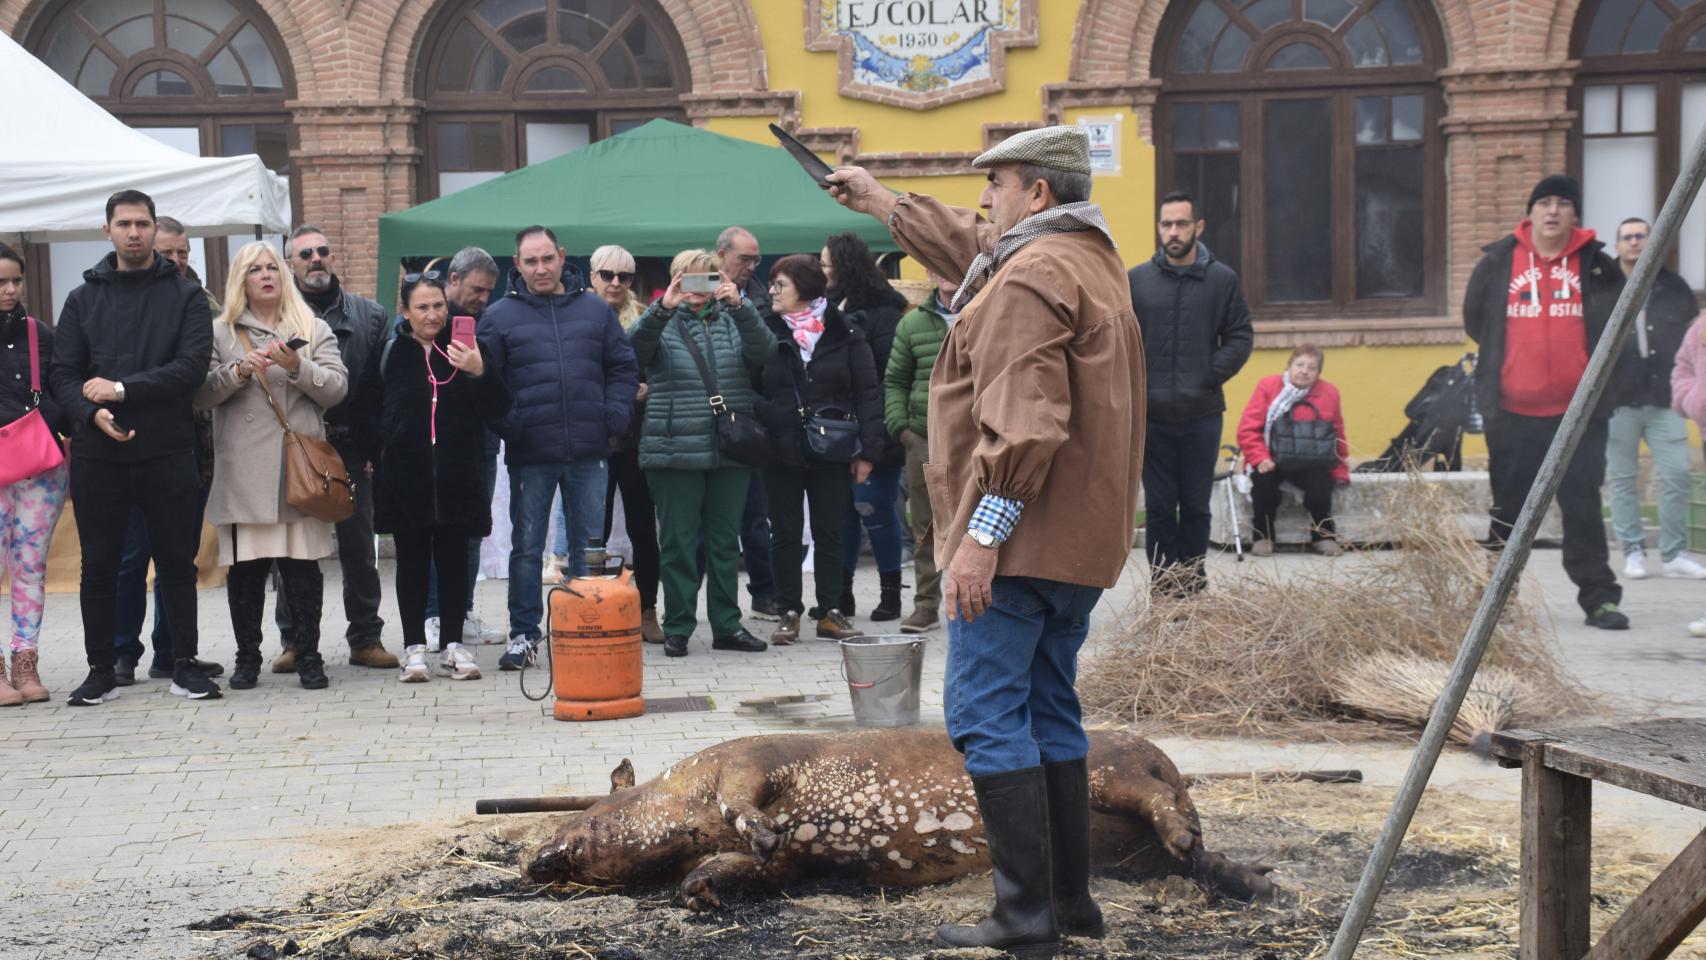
x=269, y=353
x=424, y=406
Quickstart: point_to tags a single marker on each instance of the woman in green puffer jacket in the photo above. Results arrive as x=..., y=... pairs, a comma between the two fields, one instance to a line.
x=696, y=490
x=906, y=399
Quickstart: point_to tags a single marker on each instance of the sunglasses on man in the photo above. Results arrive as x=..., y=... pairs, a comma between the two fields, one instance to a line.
x=615, y=276
x=308, y=253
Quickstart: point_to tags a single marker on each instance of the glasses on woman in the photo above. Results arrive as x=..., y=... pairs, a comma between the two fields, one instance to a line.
x=615, y=276
x=418, y=277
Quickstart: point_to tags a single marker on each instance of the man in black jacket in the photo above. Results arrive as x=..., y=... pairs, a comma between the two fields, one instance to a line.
x=129, y=350
x=360, y=325
x=1196, y=336
x=1643, y=412
x=1537, y=304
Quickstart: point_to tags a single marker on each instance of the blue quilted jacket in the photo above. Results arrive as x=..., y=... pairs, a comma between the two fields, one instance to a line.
x=568, y=365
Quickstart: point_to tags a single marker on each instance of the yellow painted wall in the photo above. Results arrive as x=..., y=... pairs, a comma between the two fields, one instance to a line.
x=1375, y=382
x=1127, y=198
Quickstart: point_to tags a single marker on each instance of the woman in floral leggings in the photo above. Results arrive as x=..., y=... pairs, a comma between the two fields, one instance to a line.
x=29, y=508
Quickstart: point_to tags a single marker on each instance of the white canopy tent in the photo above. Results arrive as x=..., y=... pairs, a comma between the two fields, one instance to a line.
x=63, y=156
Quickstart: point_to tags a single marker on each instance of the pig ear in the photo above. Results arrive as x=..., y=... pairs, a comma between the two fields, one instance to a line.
x=622, y=777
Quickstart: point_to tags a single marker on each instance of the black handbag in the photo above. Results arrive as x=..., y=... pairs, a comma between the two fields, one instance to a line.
x=1303, y=444
x=831, y=435
x=740, y=437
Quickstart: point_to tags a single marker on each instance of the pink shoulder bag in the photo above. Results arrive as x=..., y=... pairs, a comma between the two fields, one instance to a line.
x=27, y=445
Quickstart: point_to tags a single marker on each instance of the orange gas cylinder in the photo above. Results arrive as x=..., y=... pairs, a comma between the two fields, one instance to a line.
x=595, y=646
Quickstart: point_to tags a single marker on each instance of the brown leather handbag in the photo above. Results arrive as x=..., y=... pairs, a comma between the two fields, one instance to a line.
x=316, y=481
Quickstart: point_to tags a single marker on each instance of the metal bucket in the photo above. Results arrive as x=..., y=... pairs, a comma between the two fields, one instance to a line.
x=883, y=674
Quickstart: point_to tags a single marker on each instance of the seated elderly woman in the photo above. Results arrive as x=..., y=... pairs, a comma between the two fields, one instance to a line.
x=1285, y=438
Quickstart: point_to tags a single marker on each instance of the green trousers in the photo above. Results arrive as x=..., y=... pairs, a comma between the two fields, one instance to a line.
x=828, y=490
x=690, y=503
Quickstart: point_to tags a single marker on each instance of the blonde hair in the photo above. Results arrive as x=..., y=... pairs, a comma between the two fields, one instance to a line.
x=692, y=261
x=294, y=317
x=612, y=257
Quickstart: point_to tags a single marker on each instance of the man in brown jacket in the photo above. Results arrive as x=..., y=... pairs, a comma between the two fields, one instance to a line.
x=1036, y=409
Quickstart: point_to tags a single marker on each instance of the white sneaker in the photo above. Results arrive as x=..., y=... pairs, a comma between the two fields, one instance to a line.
x=432, y=634
x=1635, y=565
x=474, y=631
x=457, y=663
x=1686, y=567
x=551, y=570
x=415, y=669
x=1697, y=628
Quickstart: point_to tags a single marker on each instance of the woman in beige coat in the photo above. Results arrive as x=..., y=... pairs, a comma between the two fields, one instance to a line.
x=263, y=315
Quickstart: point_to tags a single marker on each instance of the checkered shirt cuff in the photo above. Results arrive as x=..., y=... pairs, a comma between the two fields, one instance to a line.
x=996, y=516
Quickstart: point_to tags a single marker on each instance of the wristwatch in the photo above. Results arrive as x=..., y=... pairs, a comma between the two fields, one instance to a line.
x=982, y=538
x=118, y=388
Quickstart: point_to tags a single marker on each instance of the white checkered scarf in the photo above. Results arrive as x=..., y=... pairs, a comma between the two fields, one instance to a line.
x=1065, y=218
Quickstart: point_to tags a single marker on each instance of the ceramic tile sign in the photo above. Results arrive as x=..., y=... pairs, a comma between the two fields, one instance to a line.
x=920, y=53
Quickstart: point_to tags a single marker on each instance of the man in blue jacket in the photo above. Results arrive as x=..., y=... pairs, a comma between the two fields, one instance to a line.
x=574, y=378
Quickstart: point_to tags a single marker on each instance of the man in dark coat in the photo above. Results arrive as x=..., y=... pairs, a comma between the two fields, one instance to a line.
x=129, y=350
x=573, y=376
x=1643, y=412
x=737, y=260
x=1537, y=304
x=360, y=325
x=1196, y=336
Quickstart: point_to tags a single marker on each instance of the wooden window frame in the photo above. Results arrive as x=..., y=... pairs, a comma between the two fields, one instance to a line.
x=1251, y=89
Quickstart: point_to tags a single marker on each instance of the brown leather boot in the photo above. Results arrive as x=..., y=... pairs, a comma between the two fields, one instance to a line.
x=373, y=655
x=8, y=696
x=921, y=620
x=286, y=662
x=650, y=630
x=834, y=626
x=25, y=679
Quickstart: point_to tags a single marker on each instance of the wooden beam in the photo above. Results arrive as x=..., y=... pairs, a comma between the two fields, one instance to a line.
x=1664, y=913
x=1556, y=838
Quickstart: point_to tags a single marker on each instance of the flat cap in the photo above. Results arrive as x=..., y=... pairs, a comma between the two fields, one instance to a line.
x=1065, y=147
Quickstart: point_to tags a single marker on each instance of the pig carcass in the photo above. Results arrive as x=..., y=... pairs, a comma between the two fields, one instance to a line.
x=890, y=807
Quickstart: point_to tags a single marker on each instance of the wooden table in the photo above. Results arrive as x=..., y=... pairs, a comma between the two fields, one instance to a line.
x=1659, y=758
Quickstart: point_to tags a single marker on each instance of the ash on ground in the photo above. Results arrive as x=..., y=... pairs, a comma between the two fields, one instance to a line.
x=460, y=895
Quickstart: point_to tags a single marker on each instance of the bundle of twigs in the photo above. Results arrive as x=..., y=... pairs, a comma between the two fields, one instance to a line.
x=1402, y=688
x=1260, y=651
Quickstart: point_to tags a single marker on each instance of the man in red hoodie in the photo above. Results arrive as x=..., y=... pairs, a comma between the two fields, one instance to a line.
x=1537, y=304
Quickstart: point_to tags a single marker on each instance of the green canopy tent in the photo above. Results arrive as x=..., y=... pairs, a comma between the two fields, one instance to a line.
x=657, y=190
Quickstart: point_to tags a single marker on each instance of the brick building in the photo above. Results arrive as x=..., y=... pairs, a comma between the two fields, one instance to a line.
x=1352, y=155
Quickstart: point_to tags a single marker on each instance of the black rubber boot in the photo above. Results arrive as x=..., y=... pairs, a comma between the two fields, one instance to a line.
x=1075, y=911
x=246, y=594
x=1022, y=922
x=847, y=602
x=888, y=608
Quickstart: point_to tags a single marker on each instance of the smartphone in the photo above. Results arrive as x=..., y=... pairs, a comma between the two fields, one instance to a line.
x=296, y=343
x=701, y=282
x=462, y=331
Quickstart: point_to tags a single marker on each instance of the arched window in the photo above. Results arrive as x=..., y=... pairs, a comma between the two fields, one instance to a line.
x=513, y=82
x=1640, y=96
x=209, y=77
x=1307, y=131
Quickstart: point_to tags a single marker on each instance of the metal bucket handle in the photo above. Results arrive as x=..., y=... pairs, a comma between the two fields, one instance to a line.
x=912, y=647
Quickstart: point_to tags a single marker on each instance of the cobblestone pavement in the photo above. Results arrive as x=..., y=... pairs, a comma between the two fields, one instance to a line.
x=127, y=821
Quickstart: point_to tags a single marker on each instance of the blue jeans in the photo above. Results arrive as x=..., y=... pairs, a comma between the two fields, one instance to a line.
x=873, y=507
x=1009, y=691
x=473, y=544
x=1666, y=433
x=531, y=490
x=132, y=604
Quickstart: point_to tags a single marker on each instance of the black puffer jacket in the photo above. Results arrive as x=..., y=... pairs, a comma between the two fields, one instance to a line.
x=150, y=330
x=361, y=326
x=417, y=482
x=1645, y=381
x=841, y=375
x=1196, y=333
x=16, y=398
x=877, y=320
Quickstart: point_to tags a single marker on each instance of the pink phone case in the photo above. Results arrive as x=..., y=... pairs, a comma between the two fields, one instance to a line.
x=462, y=331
